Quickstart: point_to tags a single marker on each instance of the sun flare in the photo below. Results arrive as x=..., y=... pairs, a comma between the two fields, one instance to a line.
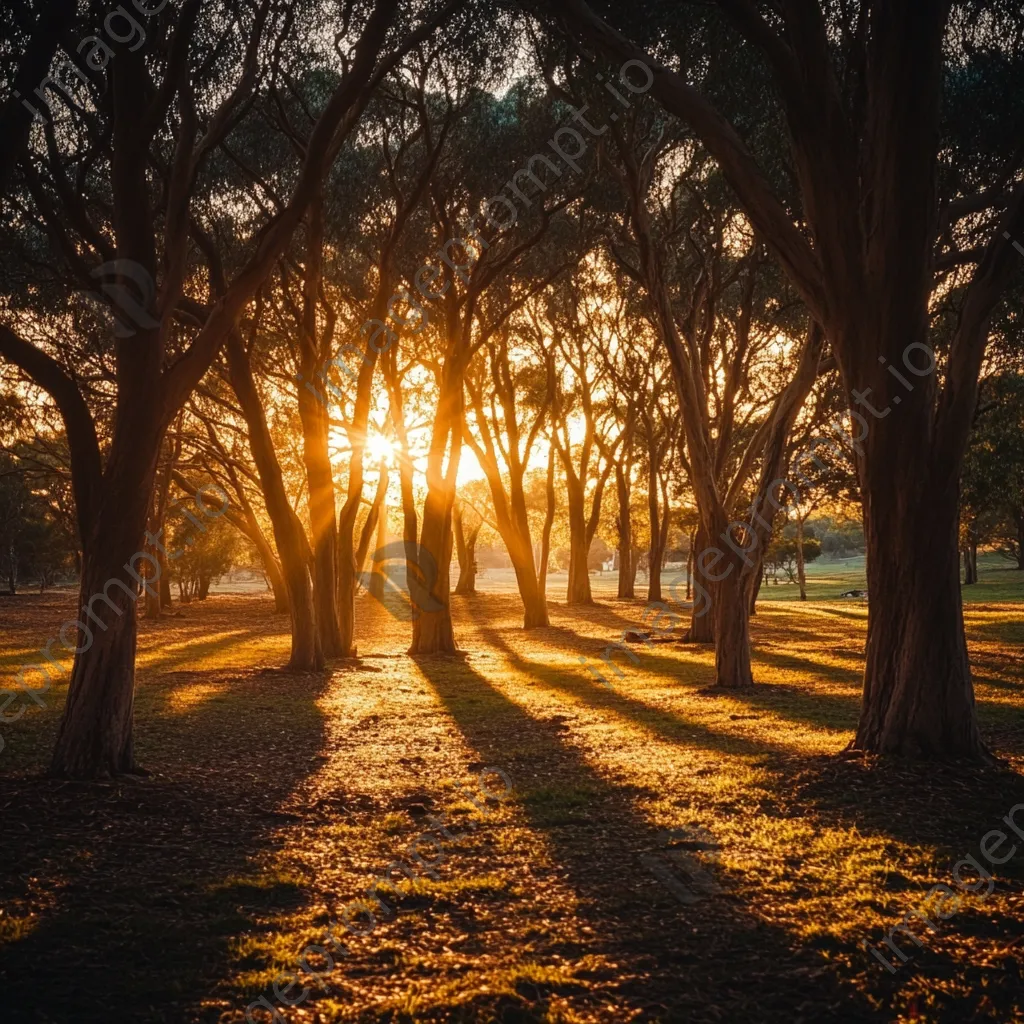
x=378, y=447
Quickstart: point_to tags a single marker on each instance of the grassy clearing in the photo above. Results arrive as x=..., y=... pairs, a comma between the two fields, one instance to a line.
x=275, y=799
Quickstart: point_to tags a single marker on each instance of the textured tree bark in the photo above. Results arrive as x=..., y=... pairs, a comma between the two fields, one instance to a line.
x=732, y=632
x=95, y=734
x=918, y=698
x=578, y=589
x=432, y=628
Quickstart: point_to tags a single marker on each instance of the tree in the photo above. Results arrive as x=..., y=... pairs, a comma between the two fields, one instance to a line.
x=861, y=88
x=144, y=220
x=992, y=497
x=204, y=555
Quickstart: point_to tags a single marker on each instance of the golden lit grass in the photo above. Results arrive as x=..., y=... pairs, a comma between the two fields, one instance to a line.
x=545, y=911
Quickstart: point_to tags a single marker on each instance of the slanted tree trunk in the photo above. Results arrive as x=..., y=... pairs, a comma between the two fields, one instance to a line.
x=289, y=535
x=626, y=586
x=376, y=587
x=656, y=551
x=757, y=578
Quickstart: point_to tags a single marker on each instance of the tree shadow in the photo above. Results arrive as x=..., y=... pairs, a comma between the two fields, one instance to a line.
x=695, y=962
x=138, y=886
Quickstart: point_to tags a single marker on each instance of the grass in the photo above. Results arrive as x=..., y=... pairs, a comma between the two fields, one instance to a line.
x=275, y=800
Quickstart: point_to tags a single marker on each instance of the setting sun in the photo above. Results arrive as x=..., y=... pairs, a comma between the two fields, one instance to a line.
x=379, y=448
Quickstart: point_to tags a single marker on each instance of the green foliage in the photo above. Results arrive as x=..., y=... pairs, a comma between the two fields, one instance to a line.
x=780, y=555
x=34, y=543
x=992, y=492
x=207, y=551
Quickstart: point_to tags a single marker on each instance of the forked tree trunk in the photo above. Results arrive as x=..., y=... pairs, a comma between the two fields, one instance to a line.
x=465, y=546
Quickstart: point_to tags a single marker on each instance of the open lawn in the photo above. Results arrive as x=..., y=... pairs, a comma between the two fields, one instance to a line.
x=666, y=854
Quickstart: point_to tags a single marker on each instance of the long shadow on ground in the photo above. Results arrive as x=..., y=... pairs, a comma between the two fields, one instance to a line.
x=709, y=962
x=121, y=898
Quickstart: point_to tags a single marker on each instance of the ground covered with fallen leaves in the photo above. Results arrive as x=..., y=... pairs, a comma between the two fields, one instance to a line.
x=665, y=853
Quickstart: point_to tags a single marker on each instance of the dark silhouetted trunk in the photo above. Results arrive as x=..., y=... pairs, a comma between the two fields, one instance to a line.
x=627, y=570
x=95, y=734
x=702, y=619
x=292, y=546
x=918, y=698
x=465, y=547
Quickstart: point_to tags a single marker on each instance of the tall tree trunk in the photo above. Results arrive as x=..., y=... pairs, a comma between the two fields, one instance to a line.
x=918, y=697
x=376, y=587
x=578, y=589
x=702, y=617
x=314, y=417
x=155, y=594
x=545, y=537
x=626, y=587
x=432, y=628
x=732, y=631
x=289, y=536
x=95, y=734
